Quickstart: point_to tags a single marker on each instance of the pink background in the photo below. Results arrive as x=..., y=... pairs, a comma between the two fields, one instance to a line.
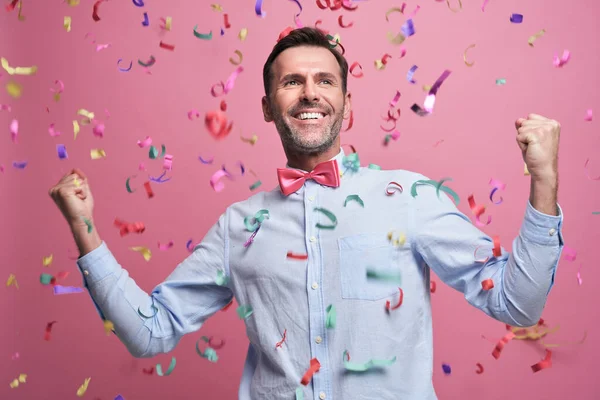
x=473, y=116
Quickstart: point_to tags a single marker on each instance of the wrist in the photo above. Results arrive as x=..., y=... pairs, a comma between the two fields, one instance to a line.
x=86, y=239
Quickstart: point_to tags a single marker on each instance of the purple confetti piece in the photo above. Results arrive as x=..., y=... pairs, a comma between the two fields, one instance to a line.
x=408, y=28
x=58, y=289
x=19, y=164
x=146, y=21
x=188, y=246
x=419, y=111
x=209, y=161
x=62, y=151
x=119, y=397
x=516, y=18
x=139, y=3
x=447, y=369
x=222, y=32
x=258, y=9
x=159, y=179
x=411, y=72
x=251, y=238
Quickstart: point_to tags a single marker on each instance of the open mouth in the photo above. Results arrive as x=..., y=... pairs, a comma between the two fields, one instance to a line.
x=304, y=116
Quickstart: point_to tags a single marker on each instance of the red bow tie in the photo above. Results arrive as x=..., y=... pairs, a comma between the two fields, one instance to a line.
x=325, y=173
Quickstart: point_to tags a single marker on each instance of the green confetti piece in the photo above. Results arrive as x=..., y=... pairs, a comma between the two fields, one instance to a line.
x=358, y=367
x=374, y=274
x=150, y=62
x=329, y=215
x=89, y=225
x=153, y=152
x=354, y=197
x=438, y=185
x=244, y=311
x=330, y=38
x=205, y=36
x=221, y=278
x=127, y=186
x=259, y=217
x=331, y=317
x=500, y=81
x=255, y=185
x=159, y=370
x=210, y=354
x=595, y=212
x=299, y=393
x=375, y=166
x=45, y=279
x=148, y=316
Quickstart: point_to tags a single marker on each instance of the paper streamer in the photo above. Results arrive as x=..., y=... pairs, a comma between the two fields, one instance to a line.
x=159, y=370
x=331, y=317
x=329, y=215
x=358, y=367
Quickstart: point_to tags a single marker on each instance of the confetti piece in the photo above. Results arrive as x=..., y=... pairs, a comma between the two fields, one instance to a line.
x=243, y=33
x=95, y=15
x=439, y=186
x=315, y=365
x=468, y=64
x=67, y=24
x=588, y=115
x=331, y=317
x=21, y=379
x=215, y=181
x=497, y=252
x=329, y=215
x=454, y=9
x=166, y=23
x=579, y=280
x=447, y=369
x=569, y=253
x=14, y=130
x=62, y=151
x=208, y=161
x=159, y=370
x=374, y=274
x=47, y=261
x=165, y=247
x=126, y=227
x=545, y=363
x=430, y=99
x=216, y=124
x=483, y=5
x=19, y=164
x=392, y=188
x=8, y=108
x=258, y=9
x=252, y=140
x=500, y=81
x=124, y=69
x=297, y=256
x=393, y=10
x=97, y=153
x=559, y=62
x=108, y=327
x=15, y=356
x=432, y=287
x=516, y=18
x=497, y=186
x=14, y=89
x=17, y=70
x=410, y=74
x=341, y=22
x=144, y=251
x=408, y=28
x=12, y=280
x=478, y=210
x=83, y=388
x=479, y=369
x=534, y=37
x=48, y=330
x=258, y=219
x=45, y=279
x=210, y=354
x=205, y=36
x=153, y=152
x=487, y=284
x=353, y=67
x=500, y=345
x=396, y=242
x=240, y=58
x=244, y=311
x=388, y=304
x=280, y=343
x=166, y=46
x=138, y=3
x=357, y=367
x=354, y=197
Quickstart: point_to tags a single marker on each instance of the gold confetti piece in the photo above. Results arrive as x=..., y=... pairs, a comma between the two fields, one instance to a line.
x=252, y=140
x=83, y=388
x=67, y=24
x=97, y=153
x=47, y=260
x=379, y=65
x=14, y=89
x=15, y=383
x=398, y=39
x=89, y=116
x=19, y=16
x=144, y=250
x=108, y=327
x=454, y=9
x=396, y=242
x=533, y=38
x=426, y=88
x=526, y=171
x=468, y=64
x=73, y=3
x=75, y=129
x=216, y=7
x=243, y=33
x=240, y=57
x=12, y=280
x=23, y=378
x=17, y=70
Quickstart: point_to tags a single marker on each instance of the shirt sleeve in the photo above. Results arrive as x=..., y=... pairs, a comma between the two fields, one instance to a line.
x=447, y=240
x=177, y=306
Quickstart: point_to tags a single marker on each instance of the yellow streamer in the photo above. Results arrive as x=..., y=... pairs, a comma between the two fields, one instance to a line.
x=379, y=65
x=468, y=64
x=73, y=3
x=392, y=10
x=97, y=153
x=15, y=383
x=67, y=24
x=396, y=242
x=144, y=251
x=12, y=280
x=216, y=7
x=14, y=89
x=168, y=21
x=533, y=38
x=82, y=389
x=75, y=129
x=17, y=70
x=568, y=343
x=89, y=116
x=252, y=140
x=240, y=56
x=453, y=9
x=47, y=260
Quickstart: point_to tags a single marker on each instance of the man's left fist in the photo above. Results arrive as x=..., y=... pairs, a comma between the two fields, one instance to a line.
x=538, y=139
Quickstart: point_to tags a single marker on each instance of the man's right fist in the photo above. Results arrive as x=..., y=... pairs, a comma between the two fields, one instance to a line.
x=73, y=197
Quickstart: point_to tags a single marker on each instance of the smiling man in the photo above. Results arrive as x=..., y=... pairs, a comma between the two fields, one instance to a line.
x=327, y=266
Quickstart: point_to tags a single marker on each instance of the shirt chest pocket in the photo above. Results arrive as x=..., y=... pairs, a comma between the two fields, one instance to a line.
x=370, y=252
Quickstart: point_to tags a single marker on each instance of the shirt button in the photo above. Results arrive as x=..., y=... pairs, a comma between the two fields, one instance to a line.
x=552, y=231
x=86, y=272
x=315, y=285
x=322, y=396
x=313, y=239
x=318, y=339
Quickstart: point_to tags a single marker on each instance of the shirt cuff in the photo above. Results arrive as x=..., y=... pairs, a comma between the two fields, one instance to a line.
x=542, y=228
x=97, y=264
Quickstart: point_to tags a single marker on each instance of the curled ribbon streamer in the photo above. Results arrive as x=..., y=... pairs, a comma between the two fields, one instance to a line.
x=477, y=210
x=205, y=36
x=240, y=57
x=453, y=9
x=396, y=242
x=244, y=311
x=393, y=187
x=124, y=69
x=388, y=304
x=280, y=343
x=534, y=37
x=148, y=316
x=479, y=368
x=500, y=345
x=331, y=317
x=159, y=370
x=354, y=197
x=352, y=67
x=258, y=219
x=210, y=354
x=393, y=10
x=545, y=363
x=148, y=63
x=357, y=367
x=329, y=215
x=413, y=189
x=315, y=365
x=468, y=64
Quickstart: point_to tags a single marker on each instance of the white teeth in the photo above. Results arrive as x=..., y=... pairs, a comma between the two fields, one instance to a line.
x=310, y=116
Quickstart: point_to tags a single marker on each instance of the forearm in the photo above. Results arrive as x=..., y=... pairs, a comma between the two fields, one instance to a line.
x=86, y=241
x=543, y=194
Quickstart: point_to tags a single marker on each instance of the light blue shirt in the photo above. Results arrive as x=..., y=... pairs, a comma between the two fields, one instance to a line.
x=292, y=295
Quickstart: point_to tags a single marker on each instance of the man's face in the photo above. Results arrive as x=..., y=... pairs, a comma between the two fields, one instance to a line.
x=306, y=100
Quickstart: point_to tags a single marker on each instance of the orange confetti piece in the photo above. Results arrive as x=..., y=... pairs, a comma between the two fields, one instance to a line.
x=501, y=343
x=487, y=284
x=315, y=365
x=388, y=304
x=545, y=363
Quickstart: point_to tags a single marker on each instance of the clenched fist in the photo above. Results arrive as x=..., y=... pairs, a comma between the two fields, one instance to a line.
x=73, y=197
x=538, y=138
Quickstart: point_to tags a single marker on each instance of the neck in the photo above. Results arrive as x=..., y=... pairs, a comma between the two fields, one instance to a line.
x=308, y=162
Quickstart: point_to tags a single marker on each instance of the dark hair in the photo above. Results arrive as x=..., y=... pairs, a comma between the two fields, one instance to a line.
x=306, y=36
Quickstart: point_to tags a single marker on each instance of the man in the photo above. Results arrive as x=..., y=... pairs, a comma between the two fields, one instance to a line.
x=317, y=273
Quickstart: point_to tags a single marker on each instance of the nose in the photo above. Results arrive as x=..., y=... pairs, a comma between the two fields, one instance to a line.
x=310, y=92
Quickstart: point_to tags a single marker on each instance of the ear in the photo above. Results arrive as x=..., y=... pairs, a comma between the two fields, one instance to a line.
x=347, y=105
x=266, y=107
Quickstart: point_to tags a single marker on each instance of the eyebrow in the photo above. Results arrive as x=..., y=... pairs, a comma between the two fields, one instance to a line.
x=318, y=75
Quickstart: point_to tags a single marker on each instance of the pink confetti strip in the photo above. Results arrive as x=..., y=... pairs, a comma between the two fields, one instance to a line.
x=559, y=62
x=394, y=101
x=102, y=46
x=430, y=99
x=579, y=280
x=231, y=80
x=53, y=132
x=7, y=107
x=98, y=130
x=483, y=5
x=165, y=247
x=145, y=143
x=195, y=113
x=215, y=180
x=569, y=253
x=588, y=114
x=14, y=130
x=168, y=162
